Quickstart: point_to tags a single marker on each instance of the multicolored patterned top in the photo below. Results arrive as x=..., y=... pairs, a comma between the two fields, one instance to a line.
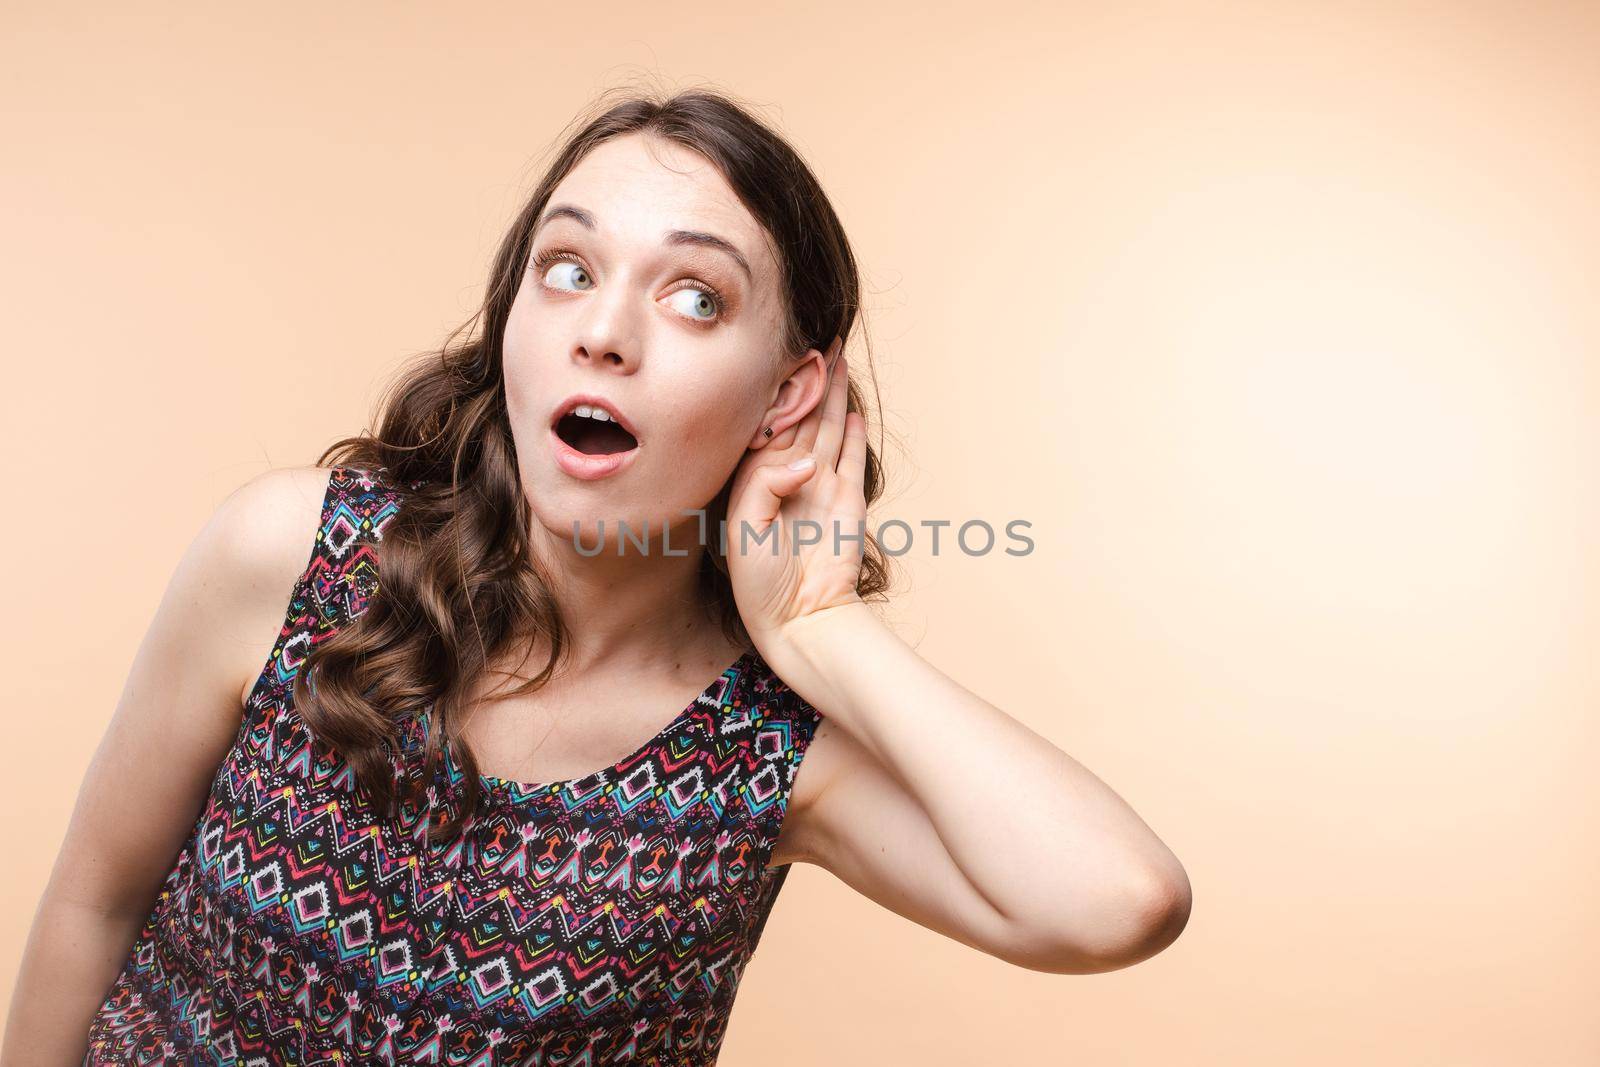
x=601, y=920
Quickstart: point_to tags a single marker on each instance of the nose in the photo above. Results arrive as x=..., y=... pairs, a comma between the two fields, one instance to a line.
x=607, y=333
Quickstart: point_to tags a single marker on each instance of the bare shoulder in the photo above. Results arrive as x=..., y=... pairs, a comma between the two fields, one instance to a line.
x=215, y=627
x=272, y=519
x=264, y=534
x=829, y=754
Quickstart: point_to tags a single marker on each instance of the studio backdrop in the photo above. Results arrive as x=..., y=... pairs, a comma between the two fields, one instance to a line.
x=1273, y=322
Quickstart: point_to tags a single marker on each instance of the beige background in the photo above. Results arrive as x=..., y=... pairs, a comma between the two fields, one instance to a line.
x=1276, y=320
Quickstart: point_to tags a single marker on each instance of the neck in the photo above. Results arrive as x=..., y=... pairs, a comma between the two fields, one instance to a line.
x=640, y=603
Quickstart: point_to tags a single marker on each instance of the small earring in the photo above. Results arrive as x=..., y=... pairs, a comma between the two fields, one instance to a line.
x=769, y=431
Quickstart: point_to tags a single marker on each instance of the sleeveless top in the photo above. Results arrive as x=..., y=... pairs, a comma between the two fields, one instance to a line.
x=601, y=920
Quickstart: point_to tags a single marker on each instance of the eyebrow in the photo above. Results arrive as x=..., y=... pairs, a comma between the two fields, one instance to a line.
x=672, y=237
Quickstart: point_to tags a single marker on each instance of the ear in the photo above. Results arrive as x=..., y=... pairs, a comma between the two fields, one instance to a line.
x=797, y=395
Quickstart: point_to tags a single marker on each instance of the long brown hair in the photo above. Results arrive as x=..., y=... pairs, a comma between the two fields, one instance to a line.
x=459, y=582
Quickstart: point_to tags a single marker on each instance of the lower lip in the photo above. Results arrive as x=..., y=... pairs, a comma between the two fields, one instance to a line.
x=583, y=465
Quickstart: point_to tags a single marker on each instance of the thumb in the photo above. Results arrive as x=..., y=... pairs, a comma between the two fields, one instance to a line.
x=768, y=486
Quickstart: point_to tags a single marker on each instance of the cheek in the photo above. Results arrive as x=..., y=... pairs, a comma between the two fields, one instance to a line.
x=517, y=348
x=523, y=388
x=518, y=394
x=708, y=436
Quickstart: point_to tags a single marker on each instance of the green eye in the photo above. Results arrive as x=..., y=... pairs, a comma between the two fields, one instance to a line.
x=704, y=305
x=574, y=273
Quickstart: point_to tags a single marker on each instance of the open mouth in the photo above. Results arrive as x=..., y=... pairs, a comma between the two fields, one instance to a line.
x=594, y=435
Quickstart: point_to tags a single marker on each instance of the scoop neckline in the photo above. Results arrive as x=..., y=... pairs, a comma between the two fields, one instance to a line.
x=496, y=784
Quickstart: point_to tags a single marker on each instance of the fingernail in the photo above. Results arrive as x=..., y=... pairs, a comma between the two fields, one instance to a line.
x=802, y=463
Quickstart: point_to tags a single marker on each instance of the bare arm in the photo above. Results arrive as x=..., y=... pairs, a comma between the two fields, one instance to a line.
x=179, y=712
x=944, y=809
x=922, y=795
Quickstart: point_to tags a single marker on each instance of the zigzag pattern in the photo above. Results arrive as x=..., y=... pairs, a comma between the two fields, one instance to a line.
x=602, y=920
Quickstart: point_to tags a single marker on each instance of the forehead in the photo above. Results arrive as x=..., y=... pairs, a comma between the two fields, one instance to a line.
x=637, y=188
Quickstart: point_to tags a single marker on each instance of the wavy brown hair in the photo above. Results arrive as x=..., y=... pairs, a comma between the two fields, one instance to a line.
x=460, y=584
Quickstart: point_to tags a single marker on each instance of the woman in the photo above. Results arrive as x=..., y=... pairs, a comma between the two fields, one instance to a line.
x=404, y=851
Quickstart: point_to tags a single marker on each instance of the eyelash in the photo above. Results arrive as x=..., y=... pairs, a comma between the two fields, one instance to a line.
x=551, y=255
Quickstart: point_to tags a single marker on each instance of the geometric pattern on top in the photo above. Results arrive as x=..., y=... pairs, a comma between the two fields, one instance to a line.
x=600, y=920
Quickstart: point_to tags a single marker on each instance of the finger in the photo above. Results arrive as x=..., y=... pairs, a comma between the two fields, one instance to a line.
x=852, y=468
x=830, y=433
x=763, y=497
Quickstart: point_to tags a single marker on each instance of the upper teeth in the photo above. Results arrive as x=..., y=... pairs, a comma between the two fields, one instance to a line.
x=592, y=412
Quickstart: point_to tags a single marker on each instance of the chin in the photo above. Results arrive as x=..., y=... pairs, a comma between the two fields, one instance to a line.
x=579, y=513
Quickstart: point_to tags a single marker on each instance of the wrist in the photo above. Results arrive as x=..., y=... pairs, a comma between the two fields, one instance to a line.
x=804, y=650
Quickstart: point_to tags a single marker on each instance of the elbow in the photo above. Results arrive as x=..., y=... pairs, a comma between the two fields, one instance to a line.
x=1148, y=914
x=1156, y=911
x=1164, y=905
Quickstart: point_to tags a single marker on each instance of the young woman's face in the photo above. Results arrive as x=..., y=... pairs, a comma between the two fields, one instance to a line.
x=629, y=297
